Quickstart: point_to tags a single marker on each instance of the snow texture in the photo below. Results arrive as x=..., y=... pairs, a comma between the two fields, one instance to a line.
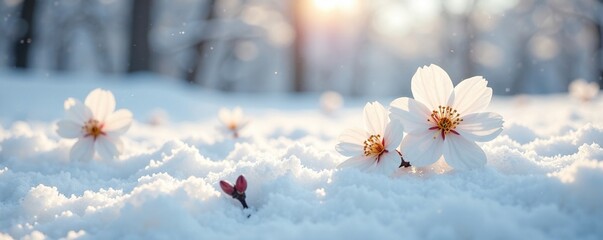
x=542, y=181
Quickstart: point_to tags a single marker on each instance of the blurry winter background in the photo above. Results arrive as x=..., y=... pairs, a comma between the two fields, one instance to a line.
x=175, y=63
x=355, y=47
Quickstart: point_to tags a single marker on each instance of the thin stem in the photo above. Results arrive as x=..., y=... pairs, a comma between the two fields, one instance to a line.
x=241, y=197
x=404, y=164
x=243, y=202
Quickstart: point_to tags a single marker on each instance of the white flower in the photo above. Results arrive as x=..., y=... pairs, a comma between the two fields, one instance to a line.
x=372, y=148
x=233, y=120
x=95, y=124
x=582, y=90
x=446, y=122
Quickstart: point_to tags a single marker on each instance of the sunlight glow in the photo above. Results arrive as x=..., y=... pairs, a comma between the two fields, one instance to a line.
x=335, y=5
x=392, y=20
x=424, y=9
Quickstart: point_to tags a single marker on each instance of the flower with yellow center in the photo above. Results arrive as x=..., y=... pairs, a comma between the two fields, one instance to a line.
x=372, y=148
x=95, y=124
x=443, y=121
x=93, y=128
x=233, y=120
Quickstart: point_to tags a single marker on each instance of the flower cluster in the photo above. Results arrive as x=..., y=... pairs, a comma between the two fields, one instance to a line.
x=441, y=122
x=98, y=127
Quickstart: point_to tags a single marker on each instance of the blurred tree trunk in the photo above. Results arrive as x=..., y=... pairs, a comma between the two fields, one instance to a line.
x=62, y=50
x=299, y=64
x=599, y=48
x=594, y=20
x=23, y=43
x=521, y=66
x=462, y=39
x=230, y=67
x=64, y=37
x=201, y=46
x=471, y=37
x=98, y=36
x=140, y=50
x=598, y=51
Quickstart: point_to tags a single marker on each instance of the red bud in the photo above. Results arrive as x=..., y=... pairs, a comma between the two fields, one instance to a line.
x=241, y=185
x=227, y=187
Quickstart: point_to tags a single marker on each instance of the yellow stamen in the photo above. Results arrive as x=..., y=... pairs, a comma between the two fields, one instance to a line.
x=373, y=146
x=93, y=128
x=445, y=119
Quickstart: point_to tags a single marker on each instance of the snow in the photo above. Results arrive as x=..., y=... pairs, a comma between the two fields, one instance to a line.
x=542, y=181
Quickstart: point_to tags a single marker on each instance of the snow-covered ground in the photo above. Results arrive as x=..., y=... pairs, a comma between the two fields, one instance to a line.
x=543, y=179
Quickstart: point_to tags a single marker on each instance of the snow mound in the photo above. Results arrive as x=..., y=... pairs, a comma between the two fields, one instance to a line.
x=542, y=181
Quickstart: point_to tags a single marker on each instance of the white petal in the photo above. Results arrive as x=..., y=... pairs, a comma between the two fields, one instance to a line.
x=411, y=113
x=237, y=115
x=69, y=129
x=394, y=131
x=243, y=123
x=76, y=111
x=422, y=149
x=388, y=163
x=463, y=154
x=480, y=127
x=82, y=150
x=106, y=148
x=431, y=86
x=101, y=103
x=349, y=149
x=360, y=162
x=471, y=95
x=375, y=117
x=118, y=122
x=353, y=135
x=224, y=116
x=119, y=144
x=351, y=142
